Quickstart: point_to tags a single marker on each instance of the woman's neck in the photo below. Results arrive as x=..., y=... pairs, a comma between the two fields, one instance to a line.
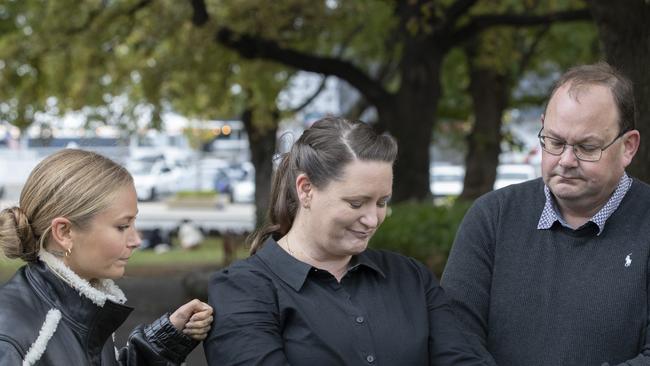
x=303, y=249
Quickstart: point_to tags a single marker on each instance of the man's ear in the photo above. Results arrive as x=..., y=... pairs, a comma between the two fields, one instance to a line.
x=61, y=232
x=631, y=141
x=305, y=189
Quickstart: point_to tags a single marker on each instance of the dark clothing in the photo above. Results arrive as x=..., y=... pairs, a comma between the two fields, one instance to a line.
x=553, y=297
x=36, y=302
x=272, y=309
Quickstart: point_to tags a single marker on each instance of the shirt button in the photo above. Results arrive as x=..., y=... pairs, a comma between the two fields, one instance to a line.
x=359, y=319
x=370, y=358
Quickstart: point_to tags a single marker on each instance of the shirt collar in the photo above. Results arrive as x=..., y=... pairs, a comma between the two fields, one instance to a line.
x=364, y=260
x=294, y=272
x=551, y=214
x=284, y=265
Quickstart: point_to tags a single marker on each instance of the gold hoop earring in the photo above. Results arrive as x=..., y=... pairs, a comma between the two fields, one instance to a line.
x=61, y=253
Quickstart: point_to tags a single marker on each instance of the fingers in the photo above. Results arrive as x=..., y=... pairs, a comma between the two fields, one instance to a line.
x=197, y=335
x=193, y=319
x=197, y=305
x=199, y=325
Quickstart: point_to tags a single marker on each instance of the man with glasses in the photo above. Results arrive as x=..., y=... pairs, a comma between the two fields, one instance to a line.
x=554, y=271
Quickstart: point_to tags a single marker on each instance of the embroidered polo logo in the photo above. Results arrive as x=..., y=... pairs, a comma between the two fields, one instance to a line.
x=628, y=260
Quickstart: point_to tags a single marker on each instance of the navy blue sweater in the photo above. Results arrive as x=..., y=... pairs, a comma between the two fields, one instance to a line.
x=552, y=297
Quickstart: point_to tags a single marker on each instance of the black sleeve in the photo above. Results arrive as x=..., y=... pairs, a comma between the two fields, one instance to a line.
x=467, y=278
x=159, y=343
x=448, y=345
x=247, y=328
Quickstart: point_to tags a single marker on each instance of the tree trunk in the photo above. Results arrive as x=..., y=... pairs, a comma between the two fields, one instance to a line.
x=262, y=146
x=625, y=33
x=410, y=116
x=489, y=90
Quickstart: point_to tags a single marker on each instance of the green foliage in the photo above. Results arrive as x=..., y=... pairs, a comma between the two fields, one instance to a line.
x=421, y=230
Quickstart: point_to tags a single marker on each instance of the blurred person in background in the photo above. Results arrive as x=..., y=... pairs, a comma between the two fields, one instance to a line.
x=74, y=227
x=312, y=293
x=189, y=235
x=555, y=271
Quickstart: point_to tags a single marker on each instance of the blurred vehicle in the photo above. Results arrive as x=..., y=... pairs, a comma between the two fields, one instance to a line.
x=243, y=191
x=207, y=171
x=508, y=174
x=238, y=175
x=152, y=177
x=446, y=180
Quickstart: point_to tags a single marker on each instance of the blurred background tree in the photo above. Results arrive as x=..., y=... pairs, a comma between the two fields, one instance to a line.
x=417, y=62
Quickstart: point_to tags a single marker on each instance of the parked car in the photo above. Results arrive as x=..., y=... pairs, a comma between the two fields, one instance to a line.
x=446, y=180
x=243, y=191
x=152, y=177
x=508, y=174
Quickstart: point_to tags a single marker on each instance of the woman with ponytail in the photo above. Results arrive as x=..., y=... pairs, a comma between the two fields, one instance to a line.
x=74, y=227
x=312, y=293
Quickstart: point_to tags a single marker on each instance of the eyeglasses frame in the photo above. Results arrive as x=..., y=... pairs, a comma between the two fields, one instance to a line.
x=542, y=143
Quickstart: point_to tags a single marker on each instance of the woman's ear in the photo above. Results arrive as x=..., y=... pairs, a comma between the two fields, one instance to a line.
x=305, y=189
x=61, y=233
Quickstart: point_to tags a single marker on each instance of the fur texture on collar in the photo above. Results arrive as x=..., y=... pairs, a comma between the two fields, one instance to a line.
x=47, y=331
x=105, y=289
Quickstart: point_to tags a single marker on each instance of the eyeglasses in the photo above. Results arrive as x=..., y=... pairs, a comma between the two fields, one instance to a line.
x=582, y=152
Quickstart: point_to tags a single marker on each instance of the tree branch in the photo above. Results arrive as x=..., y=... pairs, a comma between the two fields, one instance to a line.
x=253, y=47
x=456, y=10
x=323, y=83
x=311, y=98
x=528, y=54
x=482, y=22
x=199, y=12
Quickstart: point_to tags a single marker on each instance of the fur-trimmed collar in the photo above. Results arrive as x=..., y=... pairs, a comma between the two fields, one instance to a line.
x=103, y=290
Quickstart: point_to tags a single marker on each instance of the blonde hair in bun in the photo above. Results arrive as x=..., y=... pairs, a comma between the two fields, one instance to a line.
x=71, y=183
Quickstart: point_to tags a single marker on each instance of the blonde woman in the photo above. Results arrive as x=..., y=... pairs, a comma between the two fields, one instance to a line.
x=74, y=227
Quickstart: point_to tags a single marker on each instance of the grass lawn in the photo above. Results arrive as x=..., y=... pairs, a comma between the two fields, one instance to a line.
x=147, y=262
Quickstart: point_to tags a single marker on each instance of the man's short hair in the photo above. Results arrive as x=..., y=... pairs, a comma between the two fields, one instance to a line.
x=603, y=74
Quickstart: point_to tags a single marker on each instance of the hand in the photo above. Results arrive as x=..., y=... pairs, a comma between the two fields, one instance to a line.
x=194, y=319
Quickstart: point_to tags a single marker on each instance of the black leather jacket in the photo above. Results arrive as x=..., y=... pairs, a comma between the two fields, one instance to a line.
x=36, y=303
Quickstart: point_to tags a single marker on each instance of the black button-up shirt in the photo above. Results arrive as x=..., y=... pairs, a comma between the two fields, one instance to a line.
x=272, y=309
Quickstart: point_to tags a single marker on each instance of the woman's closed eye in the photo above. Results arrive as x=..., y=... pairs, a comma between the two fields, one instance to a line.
x=123, y=227
x=355, y=204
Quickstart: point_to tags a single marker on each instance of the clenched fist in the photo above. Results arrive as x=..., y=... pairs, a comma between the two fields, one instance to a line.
x=194, y=319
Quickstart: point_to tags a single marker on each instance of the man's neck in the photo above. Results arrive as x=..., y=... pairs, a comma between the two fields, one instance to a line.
x=576, y=214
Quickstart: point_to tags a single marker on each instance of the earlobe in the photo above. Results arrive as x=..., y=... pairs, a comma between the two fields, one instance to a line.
x=304, y=188
x=61, y=233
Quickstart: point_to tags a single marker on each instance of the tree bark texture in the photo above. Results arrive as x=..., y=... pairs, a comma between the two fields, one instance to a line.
x=624, y=29
x=262, y=143
x=489, y=91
